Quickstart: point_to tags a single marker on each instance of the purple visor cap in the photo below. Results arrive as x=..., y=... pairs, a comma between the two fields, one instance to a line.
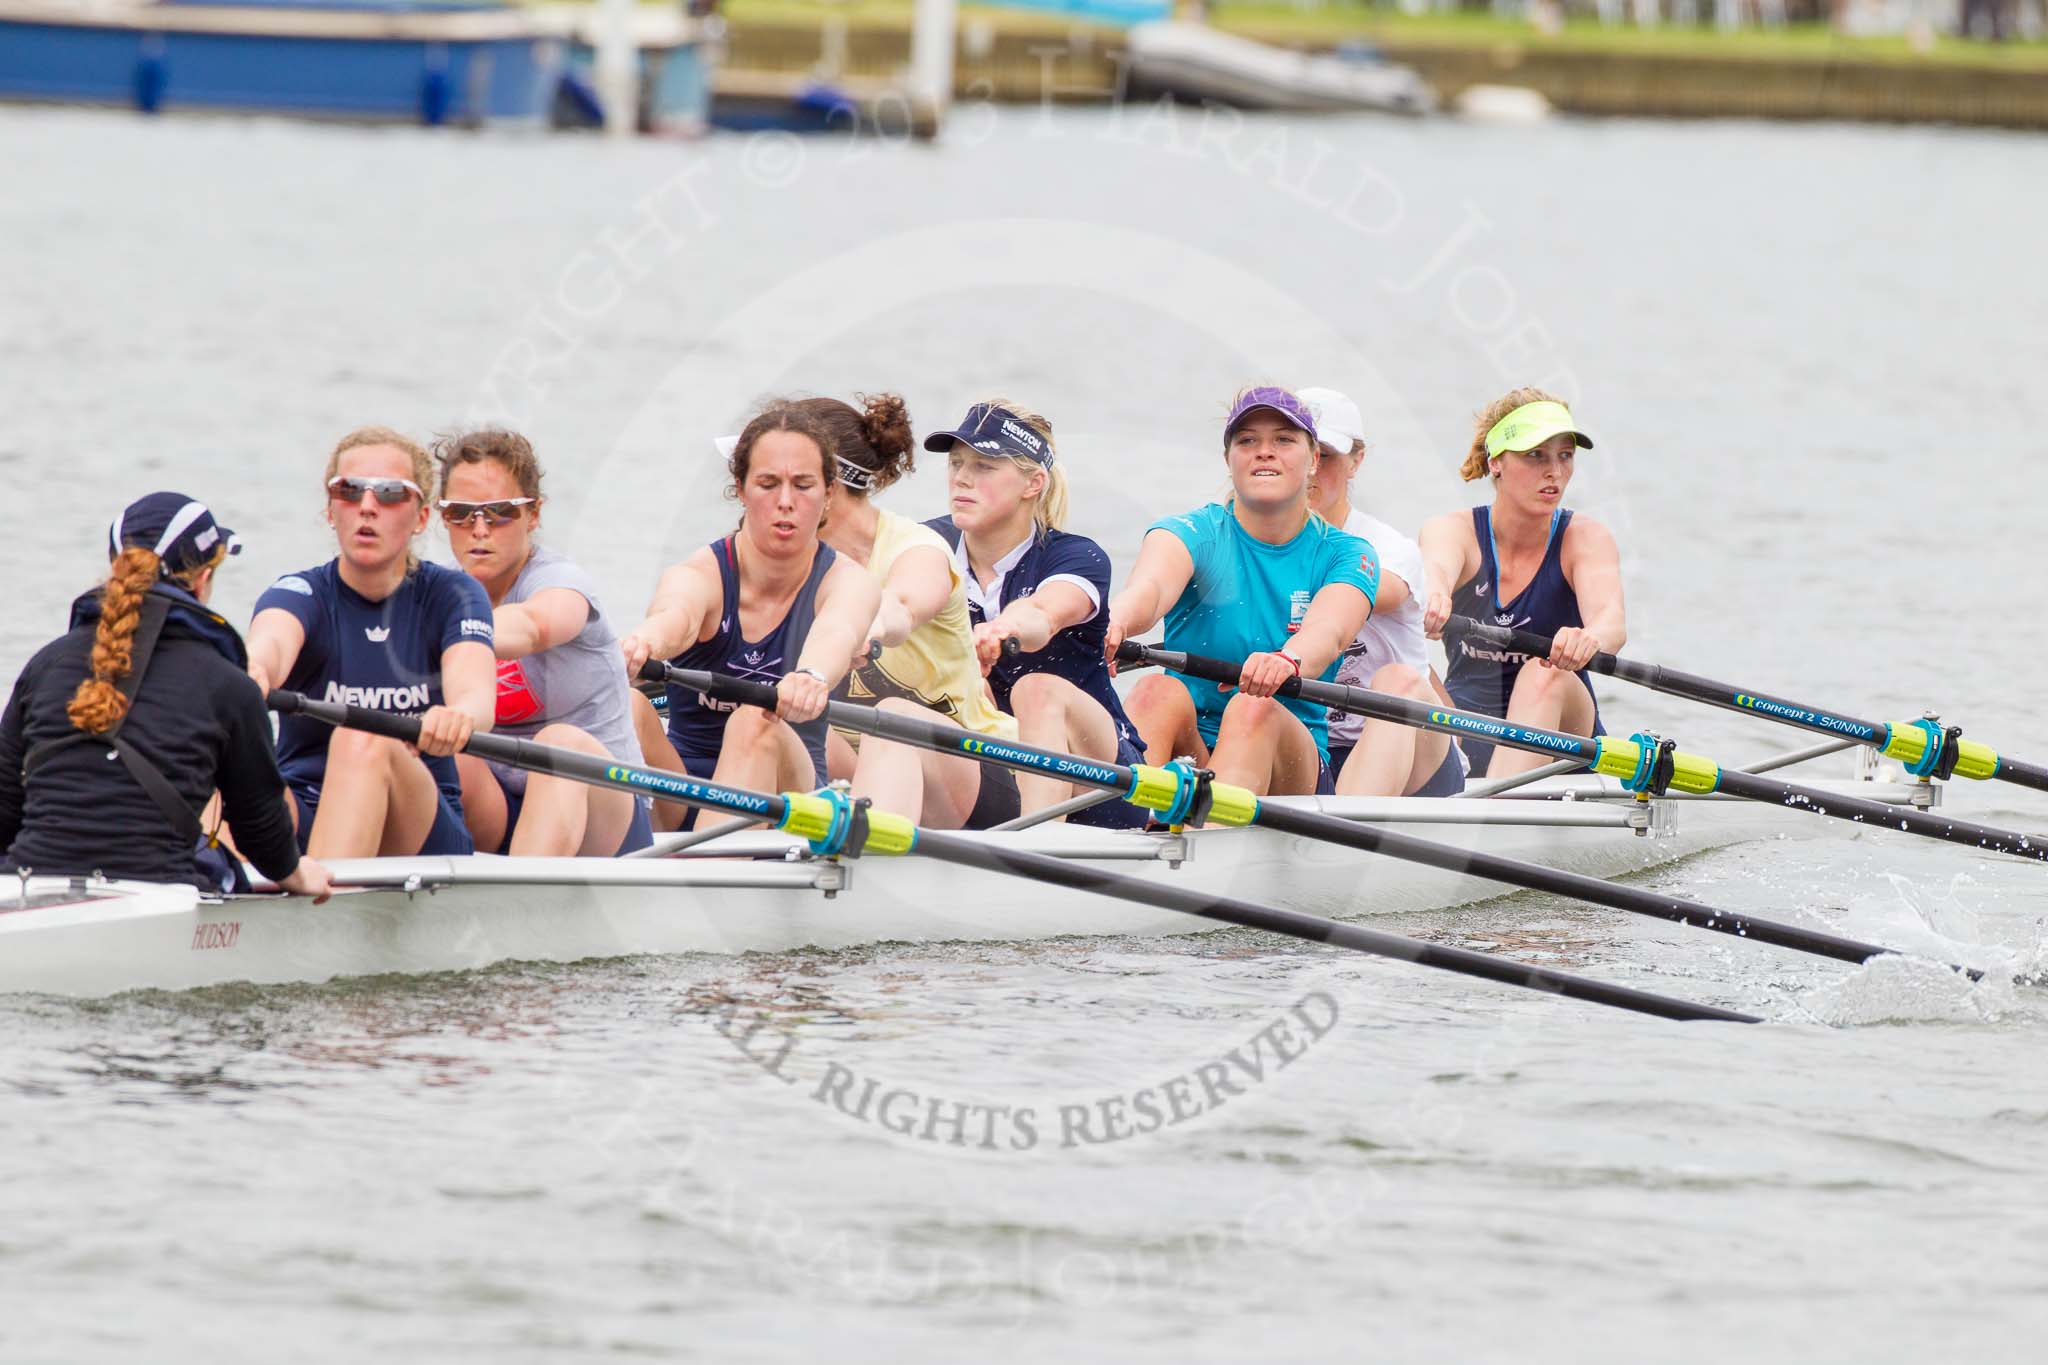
x=1276, y=400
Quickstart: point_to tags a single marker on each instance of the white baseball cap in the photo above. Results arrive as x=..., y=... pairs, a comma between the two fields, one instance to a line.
x=1337, y=421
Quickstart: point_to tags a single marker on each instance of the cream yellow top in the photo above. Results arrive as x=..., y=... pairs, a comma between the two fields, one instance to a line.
x=935, y=667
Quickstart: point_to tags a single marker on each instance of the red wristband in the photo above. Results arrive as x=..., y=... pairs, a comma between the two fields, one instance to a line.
x=1290, y=659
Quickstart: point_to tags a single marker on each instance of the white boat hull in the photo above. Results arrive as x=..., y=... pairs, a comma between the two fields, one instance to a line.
x=448, y=914
x=1193, y=62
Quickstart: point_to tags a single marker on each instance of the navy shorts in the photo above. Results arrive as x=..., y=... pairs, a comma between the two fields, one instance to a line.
x=1447, y=780
x=639, y=830
x=1116, y=813
x=996, y=802
x=448, y=838
x=703, y=766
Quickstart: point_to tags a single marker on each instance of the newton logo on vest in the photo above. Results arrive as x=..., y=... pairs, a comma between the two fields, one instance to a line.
x=377, y=635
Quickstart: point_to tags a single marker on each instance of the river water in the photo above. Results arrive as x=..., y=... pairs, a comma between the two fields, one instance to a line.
x=1807, y=354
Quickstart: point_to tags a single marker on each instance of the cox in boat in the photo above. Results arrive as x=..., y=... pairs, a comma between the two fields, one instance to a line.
x=148, y=673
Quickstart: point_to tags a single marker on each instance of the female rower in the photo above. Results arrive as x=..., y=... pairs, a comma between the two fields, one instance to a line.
x=1260, y=578
x=149, y=675
x=927, y=666
x=1029, y=580
x=375, y=627
x=768, y=603
x=1379, y=757
x=559, y=681
x=1526, y=562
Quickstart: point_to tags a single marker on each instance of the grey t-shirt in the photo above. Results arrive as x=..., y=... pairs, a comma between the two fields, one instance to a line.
x=580, y=682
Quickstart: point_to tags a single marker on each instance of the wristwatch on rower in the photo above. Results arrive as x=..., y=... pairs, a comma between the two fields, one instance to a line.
x=1290, y=659
x=806, y=668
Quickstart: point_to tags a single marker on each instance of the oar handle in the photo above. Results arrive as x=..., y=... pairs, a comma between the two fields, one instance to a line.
x=1193, y=665
x=717, y=686
x=721, y=686
x=1520, y=641
x=404, y=728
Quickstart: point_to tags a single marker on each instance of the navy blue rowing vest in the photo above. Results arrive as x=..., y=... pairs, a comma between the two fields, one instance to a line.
x=1482, y=679
x=696, y=723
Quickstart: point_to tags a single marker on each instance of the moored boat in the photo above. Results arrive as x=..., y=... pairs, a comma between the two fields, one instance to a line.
x=407, y=60
x=762, y=892
x=1196, y=63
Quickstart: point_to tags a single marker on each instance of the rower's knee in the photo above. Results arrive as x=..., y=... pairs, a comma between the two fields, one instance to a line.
x=1545, y=687
x=1159, y=697
x=560, y=736
x=1537, y=680
x=1399, y=679
x=1247, y=715
x=1039, y=696
x=355, y=749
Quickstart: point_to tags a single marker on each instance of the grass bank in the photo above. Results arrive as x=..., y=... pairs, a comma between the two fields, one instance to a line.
x=1330, y=24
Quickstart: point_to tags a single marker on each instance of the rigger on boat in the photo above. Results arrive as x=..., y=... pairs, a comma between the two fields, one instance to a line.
x=1260, y=841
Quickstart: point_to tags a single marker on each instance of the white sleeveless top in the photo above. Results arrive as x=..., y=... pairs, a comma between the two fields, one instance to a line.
x=1391, y=637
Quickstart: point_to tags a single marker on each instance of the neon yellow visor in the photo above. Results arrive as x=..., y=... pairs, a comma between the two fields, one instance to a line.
x=1531, y=425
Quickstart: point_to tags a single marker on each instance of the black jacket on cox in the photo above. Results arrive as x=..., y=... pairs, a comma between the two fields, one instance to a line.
x=198, y=716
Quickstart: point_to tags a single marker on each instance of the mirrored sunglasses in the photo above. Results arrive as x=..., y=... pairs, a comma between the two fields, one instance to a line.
x=390, y=492
x=503, y=512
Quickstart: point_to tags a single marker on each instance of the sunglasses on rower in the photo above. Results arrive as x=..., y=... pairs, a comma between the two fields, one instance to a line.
x=390, y=492
x=502, y=512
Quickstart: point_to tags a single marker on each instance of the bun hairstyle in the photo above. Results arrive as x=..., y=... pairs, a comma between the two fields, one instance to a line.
x=97, y=706
x=1476, y=466
x=798, y=420
x=873, y=442
x=508, y=448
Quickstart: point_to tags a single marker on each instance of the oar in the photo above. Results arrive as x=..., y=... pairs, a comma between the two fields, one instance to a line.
x=1182, y=795
x=1642, y=765
x=1924, y=747
x=838, y=826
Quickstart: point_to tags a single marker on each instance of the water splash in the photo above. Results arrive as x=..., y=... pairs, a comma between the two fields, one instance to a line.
x=1900, y=990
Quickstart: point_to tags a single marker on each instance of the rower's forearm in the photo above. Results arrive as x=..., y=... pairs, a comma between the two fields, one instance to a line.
x=1030, y=625
x=1317, y=646
x=893, y=621
x=1136, y=608
x=664, y=632
x=1438, y=576
x=266, y=663
x=481, y=708
x=828, y=651
x=515, y=632
x=1610, y=629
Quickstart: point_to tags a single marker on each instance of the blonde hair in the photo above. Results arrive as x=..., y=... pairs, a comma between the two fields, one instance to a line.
x=1049, y=512
x=1475, y=466
x=422, y=464
x=97, y=706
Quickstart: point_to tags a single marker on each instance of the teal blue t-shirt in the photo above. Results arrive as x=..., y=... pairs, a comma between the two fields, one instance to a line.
x=1246, y=597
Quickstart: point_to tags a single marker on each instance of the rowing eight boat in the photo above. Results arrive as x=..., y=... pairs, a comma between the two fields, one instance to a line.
x=762, y=892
